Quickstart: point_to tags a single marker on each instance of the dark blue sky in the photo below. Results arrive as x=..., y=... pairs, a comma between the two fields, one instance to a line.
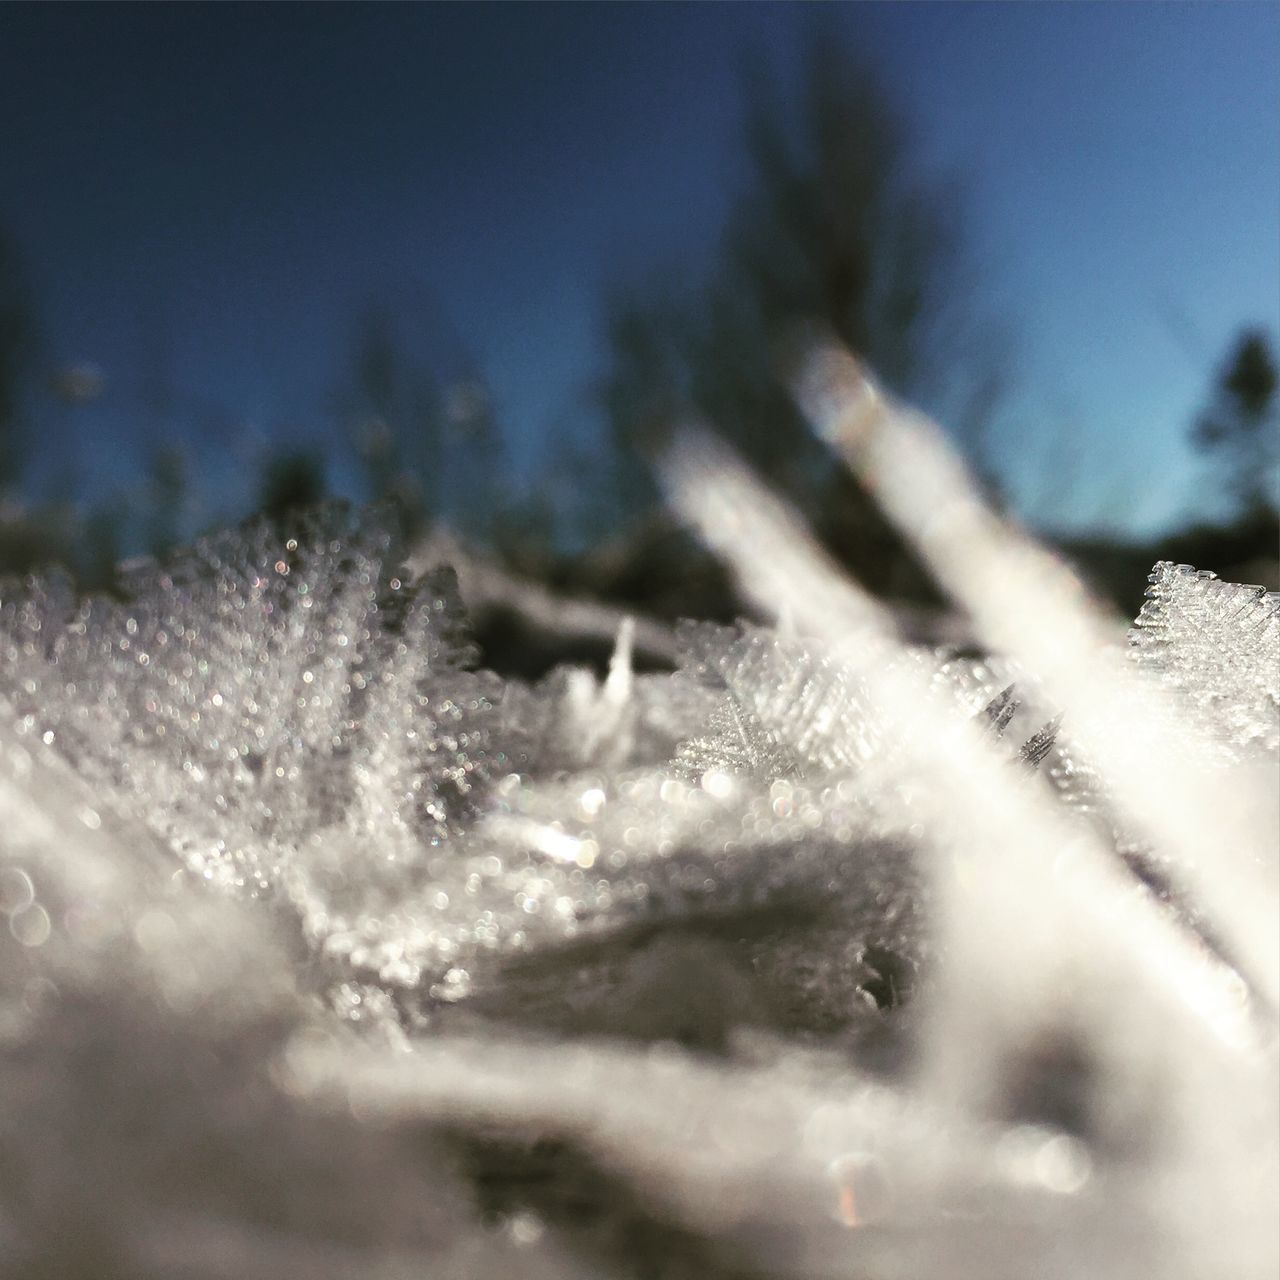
x=225, y=187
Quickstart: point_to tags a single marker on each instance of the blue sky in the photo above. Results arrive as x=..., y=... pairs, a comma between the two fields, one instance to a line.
x=233, y=183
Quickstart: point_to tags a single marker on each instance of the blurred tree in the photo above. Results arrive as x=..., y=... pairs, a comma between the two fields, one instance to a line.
x=521, y=529
x=18, y=355
x=100, y=547
x=486, y=503
x=1239, y=428
x=294, y=478
x=429, y=440
x=836, y=228
x=394, y=415
x=166, y=498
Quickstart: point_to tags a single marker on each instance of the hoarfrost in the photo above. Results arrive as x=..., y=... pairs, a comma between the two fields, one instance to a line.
x=1218, y=645
x=327, y=954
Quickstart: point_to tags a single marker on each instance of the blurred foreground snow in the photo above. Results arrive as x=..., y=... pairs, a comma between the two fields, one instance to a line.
x=329, y=955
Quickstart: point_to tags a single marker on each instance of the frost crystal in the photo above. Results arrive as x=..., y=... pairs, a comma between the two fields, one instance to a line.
x=1218, y=645
x=483, y=977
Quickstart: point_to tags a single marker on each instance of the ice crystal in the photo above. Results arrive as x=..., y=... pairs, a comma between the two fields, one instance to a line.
x=735, y=743
x=1218, y=644
x=328, y=954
